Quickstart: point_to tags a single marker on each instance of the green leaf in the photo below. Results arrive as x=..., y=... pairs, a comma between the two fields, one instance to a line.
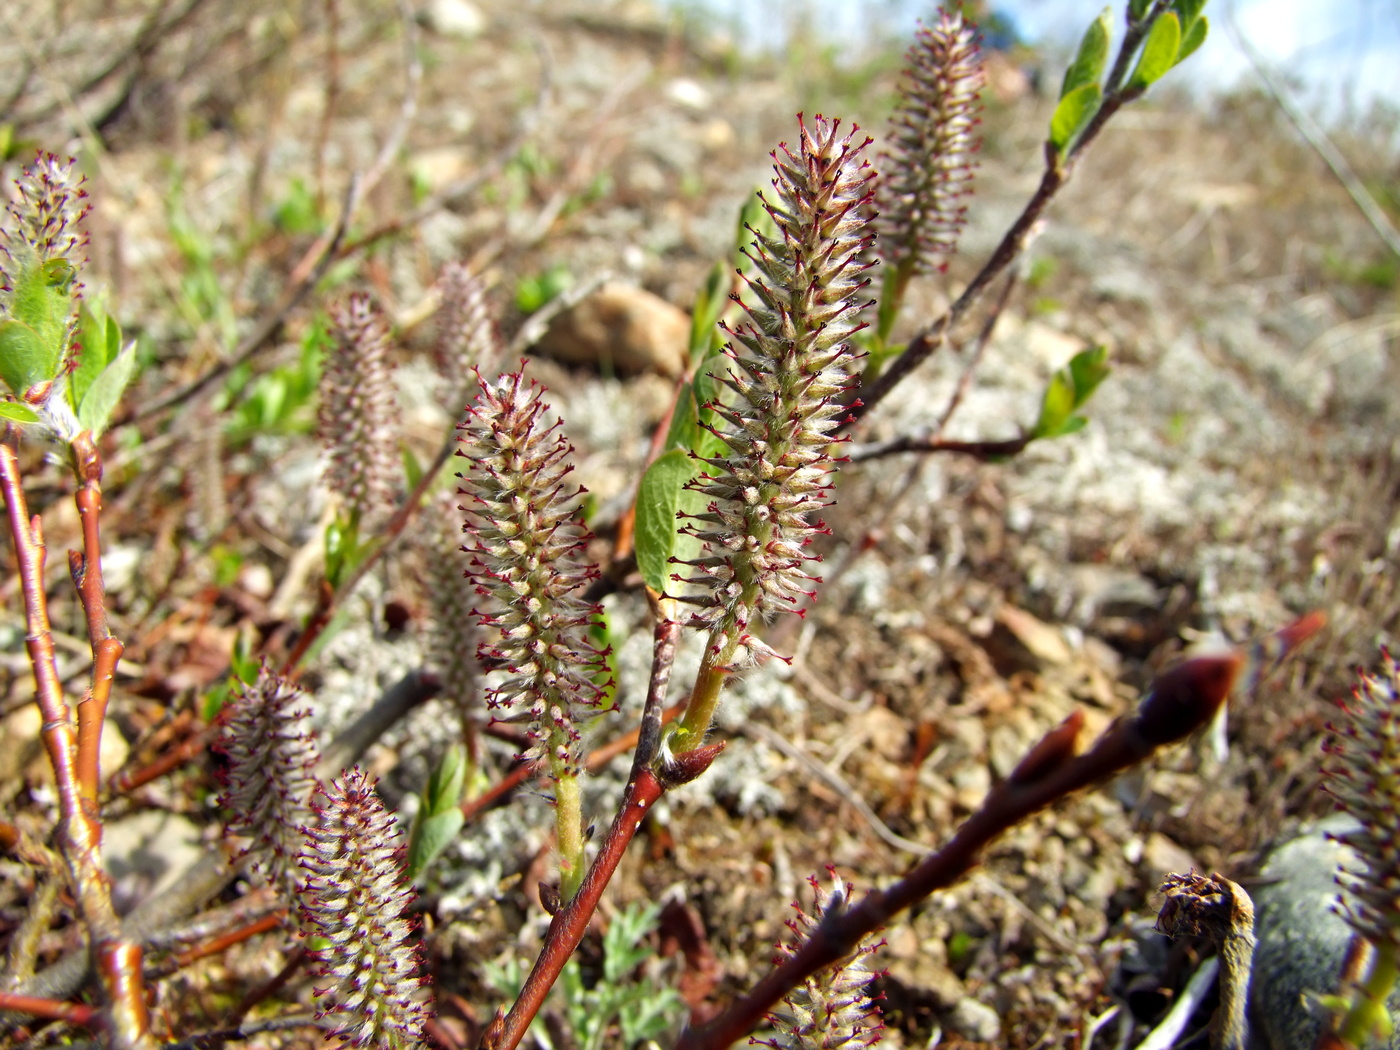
x=1055, y=406
x=412, y=469
x=27, y=359
x=93, y=336
x=1158, y=53
x=1089, y=63
x=430, y=836
x=1087, y=370
x=14, y=412
x=106, y=390
x=709, y=305
x=1070, y=388
x=1188, y=11
x=658, y=499
x=1137, y=9
x=445, y=785
x=1193, y=38
x=1072, y=115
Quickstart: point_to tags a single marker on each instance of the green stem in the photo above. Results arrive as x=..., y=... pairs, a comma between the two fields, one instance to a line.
x=568, y=825
x=1368, y=1017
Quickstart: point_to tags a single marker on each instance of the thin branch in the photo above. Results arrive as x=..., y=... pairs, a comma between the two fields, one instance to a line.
x=1181, y=701
x=79, y=832
x=569, y=924
x=1317, y=138
x=1058, y=170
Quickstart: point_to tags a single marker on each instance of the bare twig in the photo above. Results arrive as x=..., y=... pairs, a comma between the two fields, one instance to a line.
x=1180, y=701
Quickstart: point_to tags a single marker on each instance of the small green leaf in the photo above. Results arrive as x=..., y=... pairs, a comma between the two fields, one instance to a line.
x=658, y=499
x=27, y=360
x=430, y=836
x=1089, y=63
x=14, y=412
x=1193, y=38
x=1087, y=370
x=709, y=305
x=412, y=469
x=94, y=354
x=1137, y=9
x=445, y=785
x=1055, y=406
x=101, y=398
x=1158, y=53
x=339, y=539
x=1072, y=115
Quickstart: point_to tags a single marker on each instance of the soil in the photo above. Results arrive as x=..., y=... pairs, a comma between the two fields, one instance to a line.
x=1237, y=471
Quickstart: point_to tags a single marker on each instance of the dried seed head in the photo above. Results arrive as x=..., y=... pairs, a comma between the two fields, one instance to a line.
x=787, y=382
x=525, y=548
x=358, y=411
x=1363, y=769
x=833, y=1008
x=265, y=736
x=354, y=897
x=929, y=169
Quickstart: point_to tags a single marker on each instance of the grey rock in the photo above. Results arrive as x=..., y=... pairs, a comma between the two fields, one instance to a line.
x=1300, y=938
x=974, y=1020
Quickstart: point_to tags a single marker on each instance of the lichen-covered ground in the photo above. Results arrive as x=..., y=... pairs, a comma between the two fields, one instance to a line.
x=1237, y=471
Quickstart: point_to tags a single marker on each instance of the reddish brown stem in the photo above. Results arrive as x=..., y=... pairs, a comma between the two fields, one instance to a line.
x=52, y=1009
x=567, y=927
x=595, y=761
x=86, y=570
x=983, y=450
x=1181, y=701
x=217, y=945
x=79, y=832
x=644, y=787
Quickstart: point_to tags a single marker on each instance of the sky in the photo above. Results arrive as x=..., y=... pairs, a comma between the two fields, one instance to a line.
x=1341, y=50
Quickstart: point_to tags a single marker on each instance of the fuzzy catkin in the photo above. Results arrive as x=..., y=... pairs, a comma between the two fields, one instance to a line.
x=928, y=170
x=354, y=898
x=467, y=336
x=1363, y=770
x=270, y=751
x=832, y=1009
x=786, y=386
x=358, y=411
x=526, y=556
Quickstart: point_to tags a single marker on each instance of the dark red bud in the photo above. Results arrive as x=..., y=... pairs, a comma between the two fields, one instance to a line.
x=1187, y=697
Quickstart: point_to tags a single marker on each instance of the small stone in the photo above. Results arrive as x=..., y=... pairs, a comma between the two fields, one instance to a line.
x=459, y=18
x=623, y=328
x=975, y=1021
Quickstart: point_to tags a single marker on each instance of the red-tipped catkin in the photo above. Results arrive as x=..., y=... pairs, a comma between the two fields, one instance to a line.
x=831, y=1010
x=929, y=169
x=44, y=225
x=354, y=900
x=525, y=547
x=787, y=384
x=266, y=739
x=1363, y=768
x=467, y=336
x=358, y=411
